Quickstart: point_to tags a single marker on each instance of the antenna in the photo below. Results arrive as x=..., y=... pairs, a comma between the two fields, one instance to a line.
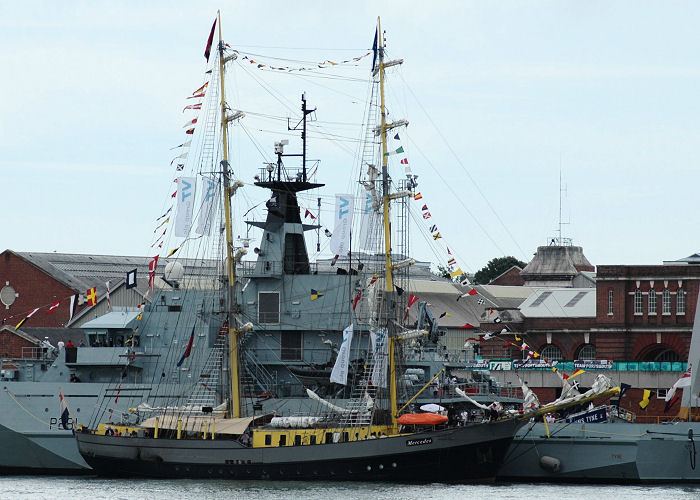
x=560, y=240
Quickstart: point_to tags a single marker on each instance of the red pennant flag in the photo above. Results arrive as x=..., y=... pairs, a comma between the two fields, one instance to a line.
x=412, y=299
x=53, y=307
x=309, y=214
x=473, y=291
x=466, y=326
x=425, y=207
x=207, y=49
x=357, y=299
x=448, y=251
x=173, y=195
x=200, y=91
x=404, y=161
x=192, y=106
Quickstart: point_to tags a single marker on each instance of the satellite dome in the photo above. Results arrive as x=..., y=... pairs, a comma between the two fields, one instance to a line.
x=174, y=271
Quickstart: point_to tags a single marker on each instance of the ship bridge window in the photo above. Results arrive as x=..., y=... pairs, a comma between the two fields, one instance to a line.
x=268, y=307
x=291, y=343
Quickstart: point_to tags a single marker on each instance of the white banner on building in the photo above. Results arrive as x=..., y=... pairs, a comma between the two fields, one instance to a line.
x=339, y=375
x=340, y=241
x=381, y=353
x=185, y=203
x=368, y=224
x=207, y=211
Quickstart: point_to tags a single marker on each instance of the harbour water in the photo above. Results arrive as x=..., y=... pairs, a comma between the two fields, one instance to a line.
x=75, y=488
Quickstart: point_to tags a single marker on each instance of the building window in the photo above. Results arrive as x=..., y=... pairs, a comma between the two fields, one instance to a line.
x=680, y=301
x=586, y=351
x=638, y=301
x=611, y=296
x=652, y=301
x=268, y=307
x=666, y=301
x=552, y=353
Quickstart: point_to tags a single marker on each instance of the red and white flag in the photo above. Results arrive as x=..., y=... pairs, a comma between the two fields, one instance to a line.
x=53, y=307
x=109, y=303
x=192, y=106
x=684, y=381
x=152, y=266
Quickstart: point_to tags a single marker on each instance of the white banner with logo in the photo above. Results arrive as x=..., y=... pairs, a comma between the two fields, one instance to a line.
x=185, y=204
x=339, y=375
x=381, y=353
x=207, y=210
x=368, y=224
x=340, y=241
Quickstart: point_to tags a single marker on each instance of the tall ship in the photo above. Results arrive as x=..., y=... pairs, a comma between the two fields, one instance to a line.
x=374, y=431
x=133, y=363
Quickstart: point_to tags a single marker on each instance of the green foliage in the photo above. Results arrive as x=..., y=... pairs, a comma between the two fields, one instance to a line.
x=495, y=268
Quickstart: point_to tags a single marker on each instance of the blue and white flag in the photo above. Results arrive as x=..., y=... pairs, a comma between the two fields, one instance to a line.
x=339, y=375
x=207, y=210
x=340, y=240
x=185, y=203
x=380, y=349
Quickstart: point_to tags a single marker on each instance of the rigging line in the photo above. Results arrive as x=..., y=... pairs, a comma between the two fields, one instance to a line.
x=266, y=87
x=22, y=406
x=459, y=162
x=290, y=48
x=461, y=202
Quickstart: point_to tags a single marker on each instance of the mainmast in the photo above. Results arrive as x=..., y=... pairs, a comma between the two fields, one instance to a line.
x=233, y=326
x=388, y=278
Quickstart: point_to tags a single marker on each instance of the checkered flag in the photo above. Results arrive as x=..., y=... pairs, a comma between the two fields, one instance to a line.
x=481, y=301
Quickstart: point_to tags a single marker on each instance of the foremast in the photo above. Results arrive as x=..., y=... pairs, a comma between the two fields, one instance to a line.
x=233, y=323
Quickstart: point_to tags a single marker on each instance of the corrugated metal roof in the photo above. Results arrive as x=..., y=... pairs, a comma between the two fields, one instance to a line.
x=560, y=303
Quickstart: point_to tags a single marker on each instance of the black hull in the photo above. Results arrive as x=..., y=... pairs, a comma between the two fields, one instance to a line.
x=458, y=462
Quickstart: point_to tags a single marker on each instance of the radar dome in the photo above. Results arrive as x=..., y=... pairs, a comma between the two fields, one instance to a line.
x=174, y=271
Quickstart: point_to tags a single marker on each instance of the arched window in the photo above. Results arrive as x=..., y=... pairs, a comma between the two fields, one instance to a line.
x=611, y=296
x=552, y=353
x=586, y=351
x=680, y=301
x=666, y=301
x=661, y=354
x=638, y=301
x=652, y=301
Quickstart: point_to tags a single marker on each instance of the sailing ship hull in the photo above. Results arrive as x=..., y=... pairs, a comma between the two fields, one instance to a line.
x=614, y=452
x=463, y=454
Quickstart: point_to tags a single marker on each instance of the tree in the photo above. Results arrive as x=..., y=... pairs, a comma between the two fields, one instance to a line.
x=495, y=268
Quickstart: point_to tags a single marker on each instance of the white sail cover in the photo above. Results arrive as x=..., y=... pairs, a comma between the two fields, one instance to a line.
x=380, y=349
x=186, y=187
x=367, y=223
x=340, y=240
x=207, y=210
x=339, y=375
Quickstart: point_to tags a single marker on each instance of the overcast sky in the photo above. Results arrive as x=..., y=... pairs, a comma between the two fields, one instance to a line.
x=501, y=97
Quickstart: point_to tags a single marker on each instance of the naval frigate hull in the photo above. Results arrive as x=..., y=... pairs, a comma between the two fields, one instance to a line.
x=614, y=452
x=463, y=454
